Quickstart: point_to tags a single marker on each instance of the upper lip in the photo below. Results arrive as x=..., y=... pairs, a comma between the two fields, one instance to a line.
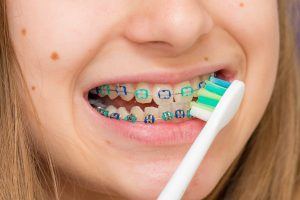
x=168, y=76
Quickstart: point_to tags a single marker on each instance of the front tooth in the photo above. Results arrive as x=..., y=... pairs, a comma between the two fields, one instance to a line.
x=113, y=112
x=162, y=94
x=183, y=92
x=125, y=91
x=142, y=93
x=151, y=115
x=123, y=112
x=113, y=93
x=138, y=113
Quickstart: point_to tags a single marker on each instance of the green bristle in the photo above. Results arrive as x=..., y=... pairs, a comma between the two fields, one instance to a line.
x=204, y=92
x=202, y=106
x=214, y=88
x=208, y=101
x=209, y=96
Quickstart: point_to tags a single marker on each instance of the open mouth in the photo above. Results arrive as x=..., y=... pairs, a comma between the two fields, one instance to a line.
x=148, y=103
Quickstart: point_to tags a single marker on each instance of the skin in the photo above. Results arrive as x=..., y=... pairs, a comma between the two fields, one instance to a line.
x=63, y=46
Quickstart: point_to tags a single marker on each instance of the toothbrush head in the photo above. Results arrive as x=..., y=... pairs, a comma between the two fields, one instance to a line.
x=218, y=96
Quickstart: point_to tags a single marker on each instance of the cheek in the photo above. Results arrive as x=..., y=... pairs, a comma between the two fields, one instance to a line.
x=54, y=40
x=254, y=25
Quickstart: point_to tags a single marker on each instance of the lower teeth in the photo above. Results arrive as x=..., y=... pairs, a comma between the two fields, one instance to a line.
x=167, y=112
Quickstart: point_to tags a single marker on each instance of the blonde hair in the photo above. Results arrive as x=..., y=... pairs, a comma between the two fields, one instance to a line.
x=266, y=169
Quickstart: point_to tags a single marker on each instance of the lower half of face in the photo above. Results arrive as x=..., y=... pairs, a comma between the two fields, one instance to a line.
x=112, y=84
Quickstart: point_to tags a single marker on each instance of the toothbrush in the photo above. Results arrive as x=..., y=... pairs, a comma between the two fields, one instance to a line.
x=217, y=103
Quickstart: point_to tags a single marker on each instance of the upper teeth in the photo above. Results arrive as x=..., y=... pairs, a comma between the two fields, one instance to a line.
x=160, y=93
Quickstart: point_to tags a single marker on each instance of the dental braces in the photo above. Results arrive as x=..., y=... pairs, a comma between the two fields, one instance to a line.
x=163, y=94
x=142, y=93
x=149, y=118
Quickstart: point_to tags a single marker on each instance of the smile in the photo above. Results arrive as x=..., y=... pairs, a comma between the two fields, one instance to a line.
x=147, y=103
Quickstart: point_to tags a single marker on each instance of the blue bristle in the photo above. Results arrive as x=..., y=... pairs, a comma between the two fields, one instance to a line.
x=219, y=82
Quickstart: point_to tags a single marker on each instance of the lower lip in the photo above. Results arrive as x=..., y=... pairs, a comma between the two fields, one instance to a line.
x=162, y=133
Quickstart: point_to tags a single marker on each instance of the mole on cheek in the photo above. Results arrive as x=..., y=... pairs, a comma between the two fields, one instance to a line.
x=33, y=88
x=54, y=56
x=23, y=31
x=206, y=58
x=242, y=4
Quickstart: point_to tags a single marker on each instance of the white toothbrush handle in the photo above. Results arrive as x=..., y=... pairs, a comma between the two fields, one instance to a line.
x=222, y=114
x=187, y=168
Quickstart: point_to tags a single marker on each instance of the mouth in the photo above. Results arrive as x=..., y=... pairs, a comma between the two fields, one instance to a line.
x=149, y=112
x=148, y=103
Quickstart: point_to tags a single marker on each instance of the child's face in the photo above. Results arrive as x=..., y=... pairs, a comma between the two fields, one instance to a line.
x=65, y=48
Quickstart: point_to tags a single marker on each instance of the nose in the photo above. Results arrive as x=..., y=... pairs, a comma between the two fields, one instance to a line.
x=176, y=23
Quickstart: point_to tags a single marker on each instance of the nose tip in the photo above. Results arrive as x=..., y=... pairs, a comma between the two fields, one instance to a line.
x=178, y=24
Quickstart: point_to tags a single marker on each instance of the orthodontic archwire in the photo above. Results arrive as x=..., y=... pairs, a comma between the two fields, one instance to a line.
x=201, y=84
x=150, y=118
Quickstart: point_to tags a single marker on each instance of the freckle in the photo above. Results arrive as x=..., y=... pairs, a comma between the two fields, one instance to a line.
x=108, y=142
x=23, y=31
x=206, y=58
x=54, y=56
x=33, y=88
x=242, y=4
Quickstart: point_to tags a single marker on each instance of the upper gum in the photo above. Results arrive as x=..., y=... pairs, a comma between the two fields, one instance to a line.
x=161, y=84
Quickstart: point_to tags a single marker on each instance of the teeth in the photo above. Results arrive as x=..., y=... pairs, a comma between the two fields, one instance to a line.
x=111, y=109
x=103, y=90
x=183, y=91
x=165, y=112
x=164, y=108
x=143, y=93
x=113, y=112
x=102, y=111
x=125, y=91
x=151, y=114
x=137, y=112
x=152, y=111
x=113, y=93
x=162, y=94
x=180, y=109
x=123, y=112
x=195, y=84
